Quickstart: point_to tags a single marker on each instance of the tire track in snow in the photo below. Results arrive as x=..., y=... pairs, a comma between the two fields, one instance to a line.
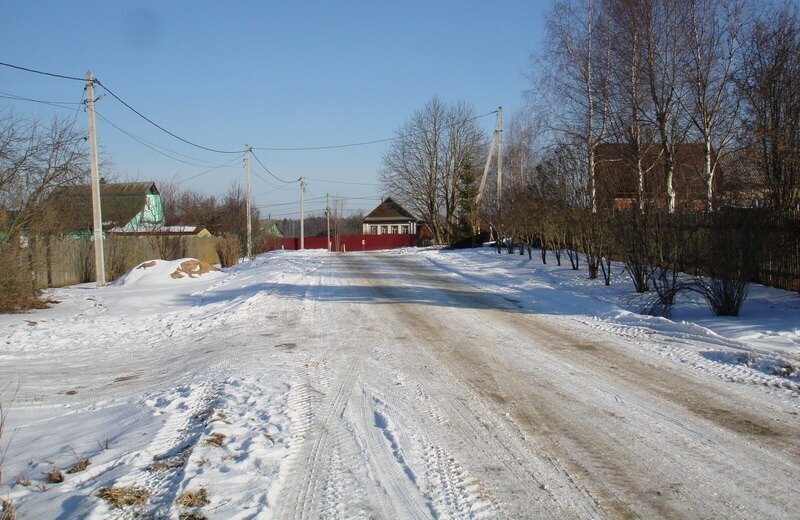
x=535, y=482
x=552, y=410
x=316, y=471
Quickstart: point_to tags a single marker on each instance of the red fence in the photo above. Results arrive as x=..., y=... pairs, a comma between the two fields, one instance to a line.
x=354, y=242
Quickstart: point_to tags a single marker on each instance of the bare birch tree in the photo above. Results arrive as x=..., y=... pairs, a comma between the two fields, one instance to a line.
x=712, y=102
x=629, y=99
x=576, y=71
x=662, y=22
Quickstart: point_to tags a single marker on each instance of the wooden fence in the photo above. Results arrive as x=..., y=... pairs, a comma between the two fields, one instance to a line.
x=748, y=244
x=55, y=262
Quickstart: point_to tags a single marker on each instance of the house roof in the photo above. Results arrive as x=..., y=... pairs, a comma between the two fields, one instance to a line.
x=389, y=210
x=271, y=224
x=120, y=202
x=161, y=231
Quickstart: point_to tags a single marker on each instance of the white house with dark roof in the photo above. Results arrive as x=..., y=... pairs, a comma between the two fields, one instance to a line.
x=390, y=218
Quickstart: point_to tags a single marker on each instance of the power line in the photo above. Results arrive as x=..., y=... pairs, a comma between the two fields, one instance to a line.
x=115, y=96
x=329, y=147
x=176, y=136
x=41, y=72
x=208, y=171
x=342, y=182
x=151, y=145
x=78, y=108
x=9, y=95
x=315, y=199
x=51, y=103
x=265, y=181
x=285, y=187
x=362, y=143
x=268, y=171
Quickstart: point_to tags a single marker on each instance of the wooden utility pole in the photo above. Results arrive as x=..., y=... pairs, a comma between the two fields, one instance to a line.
x=328, y=214
x=97, y=214
x=248, y=202
x=302, y=214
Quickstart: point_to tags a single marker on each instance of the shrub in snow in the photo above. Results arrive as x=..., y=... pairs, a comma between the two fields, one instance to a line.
x=229, y=250
x=667, y=285
x=17, y=290
x=725, y=297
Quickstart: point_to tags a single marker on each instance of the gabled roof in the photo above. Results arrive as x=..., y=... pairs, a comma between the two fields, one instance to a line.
x=389, y=210
x=271, y=224
x=120, y=203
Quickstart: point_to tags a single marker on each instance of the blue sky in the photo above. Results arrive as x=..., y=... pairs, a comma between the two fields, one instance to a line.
x=269, y=74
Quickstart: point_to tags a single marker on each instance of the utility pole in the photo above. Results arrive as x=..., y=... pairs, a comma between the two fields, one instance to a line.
x=302, y=214
x=97, y=214
x=248, y=203
x=496, y=143
x=499, y=152
x=328, y=214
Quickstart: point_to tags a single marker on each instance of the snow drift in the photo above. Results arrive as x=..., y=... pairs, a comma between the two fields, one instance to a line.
x=158, y=272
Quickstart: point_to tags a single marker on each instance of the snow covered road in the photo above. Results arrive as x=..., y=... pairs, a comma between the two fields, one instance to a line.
x=394, y=385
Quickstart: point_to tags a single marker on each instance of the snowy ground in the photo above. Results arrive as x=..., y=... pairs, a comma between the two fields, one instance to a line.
x=413, y=383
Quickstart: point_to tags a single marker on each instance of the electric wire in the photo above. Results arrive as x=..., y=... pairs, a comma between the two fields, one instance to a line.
x=191, y=143
x=265, y=181
x=176, y=136
x=57, y=104
x=362, y=143
x=9, y=95
x=78, y=108
x=153, y=146
x=268, y=170
x=149, y=145
x=41, y=72
x=315, y=200
x=281, y=188
x=342, y=182
x=181, y=181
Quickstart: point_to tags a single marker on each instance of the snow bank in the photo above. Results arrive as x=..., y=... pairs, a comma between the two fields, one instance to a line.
x=158, y=272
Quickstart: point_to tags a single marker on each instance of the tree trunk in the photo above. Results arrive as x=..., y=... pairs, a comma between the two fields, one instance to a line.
x=709, y=176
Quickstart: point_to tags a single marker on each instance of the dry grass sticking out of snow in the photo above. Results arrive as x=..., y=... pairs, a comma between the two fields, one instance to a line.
x=193, y=498
x=119, y=497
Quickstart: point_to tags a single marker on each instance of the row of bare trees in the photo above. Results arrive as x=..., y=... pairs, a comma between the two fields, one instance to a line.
x=653, y=75
x=651, y=78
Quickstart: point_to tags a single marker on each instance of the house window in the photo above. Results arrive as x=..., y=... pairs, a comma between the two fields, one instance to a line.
x=404, y=230
x=384, y=230
x=395, y=230
x=373, y=230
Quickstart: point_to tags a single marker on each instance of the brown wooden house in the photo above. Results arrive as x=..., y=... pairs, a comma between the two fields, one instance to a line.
x=617, y=182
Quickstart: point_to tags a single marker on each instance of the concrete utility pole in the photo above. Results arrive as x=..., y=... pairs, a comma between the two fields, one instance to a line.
x=302, y=214
x=497, y=143
x=499, y=152
x=97, y=214
x=248, y=203
x=328, y=214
